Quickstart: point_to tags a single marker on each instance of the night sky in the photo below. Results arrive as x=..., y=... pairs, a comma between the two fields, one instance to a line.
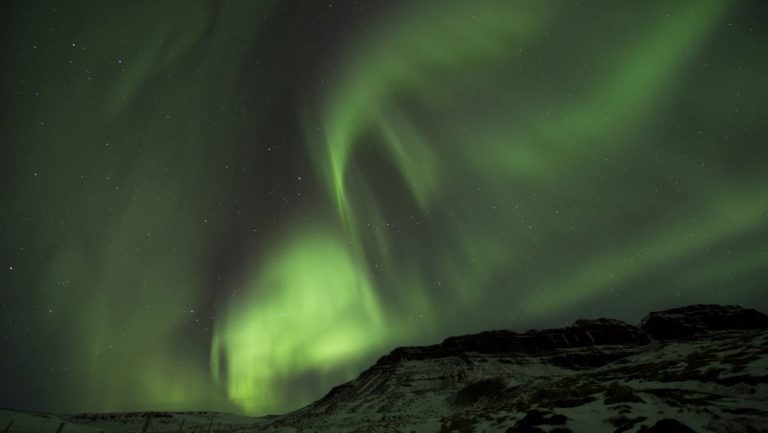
x=236, y=205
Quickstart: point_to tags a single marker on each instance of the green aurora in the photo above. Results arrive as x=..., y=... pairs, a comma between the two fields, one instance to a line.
x=230, y=206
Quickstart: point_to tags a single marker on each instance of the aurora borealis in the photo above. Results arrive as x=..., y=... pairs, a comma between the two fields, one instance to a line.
x=238, y=205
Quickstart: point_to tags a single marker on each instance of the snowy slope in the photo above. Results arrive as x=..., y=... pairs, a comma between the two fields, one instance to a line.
x=701, y=368
x=27, y=422
x=622, y=379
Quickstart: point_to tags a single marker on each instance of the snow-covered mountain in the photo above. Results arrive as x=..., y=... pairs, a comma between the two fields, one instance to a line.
x=698, y=368
x=701, y=368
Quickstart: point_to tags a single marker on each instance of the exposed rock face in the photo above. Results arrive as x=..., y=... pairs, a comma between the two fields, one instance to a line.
x=699, y=320
x=584, y=334
x=597, y=375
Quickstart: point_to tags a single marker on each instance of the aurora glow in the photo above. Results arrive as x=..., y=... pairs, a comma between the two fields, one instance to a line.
x=309, y=311
x=235, y=206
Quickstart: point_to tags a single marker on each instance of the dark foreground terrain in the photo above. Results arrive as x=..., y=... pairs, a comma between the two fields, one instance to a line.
x=701, y=368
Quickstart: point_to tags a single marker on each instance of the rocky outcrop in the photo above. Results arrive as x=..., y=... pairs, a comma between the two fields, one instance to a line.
x=528, y=380
x=699, y=320
x=583, y=334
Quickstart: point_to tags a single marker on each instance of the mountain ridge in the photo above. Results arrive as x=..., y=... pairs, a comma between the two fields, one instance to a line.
x=586, y=345
x=699, y=368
